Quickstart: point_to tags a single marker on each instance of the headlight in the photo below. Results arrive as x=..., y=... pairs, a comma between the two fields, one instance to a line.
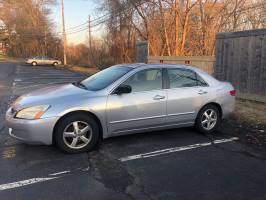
x=34, y=112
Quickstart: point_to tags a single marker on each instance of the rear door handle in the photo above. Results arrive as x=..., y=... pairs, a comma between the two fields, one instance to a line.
x=201, y=92
x=158, y=97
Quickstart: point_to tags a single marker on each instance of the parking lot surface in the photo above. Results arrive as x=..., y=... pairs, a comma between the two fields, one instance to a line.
x=172, y=164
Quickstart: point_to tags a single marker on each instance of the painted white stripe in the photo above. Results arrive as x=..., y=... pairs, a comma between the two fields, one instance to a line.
x=175, y=149
x=59, y=173
x=8, y=186
x=37, y=180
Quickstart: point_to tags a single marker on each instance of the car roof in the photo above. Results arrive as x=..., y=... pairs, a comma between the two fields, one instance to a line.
x=211, y=80
x=159, y=65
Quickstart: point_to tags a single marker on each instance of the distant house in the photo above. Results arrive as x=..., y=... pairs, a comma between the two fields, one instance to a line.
x=3, y=39
x=3, y=48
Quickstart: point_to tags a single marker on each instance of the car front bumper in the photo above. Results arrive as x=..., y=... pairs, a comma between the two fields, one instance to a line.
x=39, y=131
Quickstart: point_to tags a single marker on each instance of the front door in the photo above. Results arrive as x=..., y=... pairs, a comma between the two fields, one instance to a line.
x=144, y=107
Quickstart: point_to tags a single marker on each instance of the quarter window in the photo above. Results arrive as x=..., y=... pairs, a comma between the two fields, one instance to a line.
x=145, y=80
x=184, y=78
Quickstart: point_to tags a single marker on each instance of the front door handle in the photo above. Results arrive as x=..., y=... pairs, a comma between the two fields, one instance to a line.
x=202, y=92
x=158, y=97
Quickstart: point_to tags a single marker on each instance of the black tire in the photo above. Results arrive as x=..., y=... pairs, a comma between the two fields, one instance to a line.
x=55, y=63
x=34, y=63
x=201, y=117
x=65, y=122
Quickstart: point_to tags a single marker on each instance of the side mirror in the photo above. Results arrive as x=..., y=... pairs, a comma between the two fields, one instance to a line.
x=123, y=89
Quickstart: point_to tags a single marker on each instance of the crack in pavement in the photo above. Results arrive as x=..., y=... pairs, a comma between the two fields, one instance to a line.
x=108, y=170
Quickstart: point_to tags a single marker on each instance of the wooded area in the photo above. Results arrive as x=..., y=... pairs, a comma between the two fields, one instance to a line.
x=241, y=59
x=177, y=27
x=27, y=30
x=172, y=28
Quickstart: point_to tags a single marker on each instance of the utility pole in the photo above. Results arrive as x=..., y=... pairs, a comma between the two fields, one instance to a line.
x=64, y=32
x=42, y=5
x=90, y=42
x=176, y=28
x=90, y=32
x=45, y=42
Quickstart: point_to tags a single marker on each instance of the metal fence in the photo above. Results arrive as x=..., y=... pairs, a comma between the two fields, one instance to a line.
x=241, y=60
x=205, y=63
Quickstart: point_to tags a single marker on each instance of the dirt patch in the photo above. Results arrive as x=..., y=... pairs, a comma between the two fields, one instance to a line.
x=80, y=69
x=248, y=122
x=251, y=113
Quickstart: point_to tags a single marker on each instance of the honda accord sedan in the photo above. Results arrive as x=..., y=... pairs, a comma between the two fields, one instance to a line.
x=43, y=60
x=122, y=99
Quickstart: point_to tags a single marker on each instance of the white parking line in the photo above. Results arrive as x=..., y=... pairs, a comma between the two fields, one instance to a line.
x=59, y=173
x=175, y=149
x=31, y=181
x=24, y=182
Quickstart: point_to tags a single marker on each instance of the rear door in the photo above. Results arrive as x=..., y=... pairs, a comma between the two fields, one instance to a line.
x=45, y=60
x=186, y=94
x=144, y=107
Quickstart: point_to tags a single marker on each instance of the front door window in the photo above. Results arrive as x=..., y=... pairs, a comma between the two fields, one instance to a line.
x=145, y=80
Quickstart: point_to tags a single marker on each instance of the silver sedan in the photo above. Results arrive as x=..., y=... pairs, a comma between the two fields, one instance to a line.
x=43, y=60
x=122, y=99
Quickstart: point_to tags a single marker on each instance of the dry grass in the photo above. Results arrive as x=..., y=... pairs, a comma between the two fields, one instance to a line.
x=250, y=112
x=82, y=70
x=11, y=59
x=249, y=123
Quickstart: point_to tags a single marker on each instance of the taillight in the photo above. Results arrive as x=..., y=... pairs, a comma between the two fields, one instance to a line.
x=233, y=92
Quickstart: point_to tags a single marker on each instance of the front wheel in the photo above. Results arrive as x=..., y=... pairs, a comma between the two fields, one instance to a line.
x=208, y=119
x=77, y=133
x=55, y=63
x=34, y=63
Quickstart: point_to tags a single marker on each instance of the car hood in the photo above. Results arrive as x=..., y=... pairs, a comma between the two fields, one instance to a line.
x=49, y=95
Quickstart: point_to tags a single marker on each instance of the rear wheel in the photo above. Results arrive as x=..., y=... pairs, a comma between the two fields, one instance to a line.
x=55, y=63
x=208, y=119
x=34, y=63
x=77, y=133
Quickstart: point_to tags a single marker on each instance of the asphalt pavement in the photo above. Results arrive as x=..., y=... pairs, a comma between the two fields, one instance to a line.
x=173, y=164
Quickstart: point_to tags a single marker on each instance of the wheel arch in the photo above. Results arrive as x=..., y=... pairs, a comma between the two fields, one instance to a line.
x=79, y=112
x=215, y=104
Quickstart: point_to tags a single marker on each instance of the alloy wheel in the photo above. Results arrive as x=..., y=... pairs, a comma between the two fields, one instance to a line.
x=77, y=134
x=209, y=119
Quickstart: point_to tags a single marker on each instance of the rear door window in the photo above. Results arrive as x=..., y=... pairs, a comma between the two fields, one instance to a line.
x=179, y=78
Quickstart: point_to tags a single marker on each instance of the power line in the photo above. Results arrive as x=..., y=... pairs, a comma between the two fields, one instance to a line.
x=100, y=20
x=104, y=18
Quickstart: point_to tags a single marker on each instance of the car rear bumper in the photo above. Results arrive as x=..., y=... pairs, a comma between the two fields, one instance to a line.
x=228, y=107
x=38, y=131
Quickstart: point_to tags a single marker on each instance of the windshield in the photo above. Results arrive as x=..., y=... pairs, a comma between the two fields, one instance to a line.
x=104, y=78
